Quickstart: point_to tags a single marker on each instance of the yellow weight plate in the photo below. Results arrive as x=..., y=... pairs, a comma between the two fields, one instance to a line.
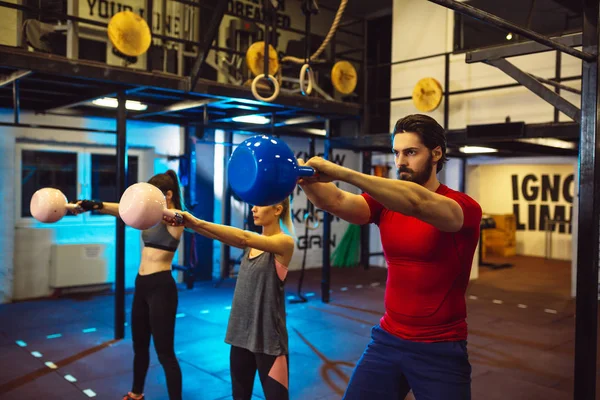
x=344, y=77
x=255, y=59
x=427, y=94
x=129, y=33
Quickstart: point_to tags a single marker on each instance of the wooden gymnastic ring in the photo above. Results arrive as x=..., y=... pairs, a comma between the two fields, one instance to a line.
x=275, y=88
x=306, y=70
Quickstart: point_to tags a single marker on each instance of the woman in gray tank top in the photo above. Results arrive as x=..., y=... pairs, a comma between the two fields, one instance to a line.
x=257, y=329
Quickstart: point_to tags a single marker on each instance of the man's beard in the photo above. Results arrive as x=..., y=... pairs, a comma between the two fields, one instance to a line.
x=419, y=177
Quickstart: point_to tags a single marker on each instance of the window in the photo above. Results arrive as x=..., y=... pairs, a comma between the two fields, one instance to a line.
x=39, y=169
x=77, y=171
x=104, y=176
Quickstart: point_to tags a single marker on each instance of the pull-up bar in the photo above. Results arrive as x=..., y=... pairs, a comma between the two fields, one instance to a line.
x=510, y=27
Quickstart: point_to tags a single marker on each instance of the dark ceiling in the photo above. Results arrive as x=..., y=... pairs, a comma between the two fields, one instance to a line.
x=57, y=85
x=543, y=16
x=361, y=8
x=547, y=14
x=59, y=82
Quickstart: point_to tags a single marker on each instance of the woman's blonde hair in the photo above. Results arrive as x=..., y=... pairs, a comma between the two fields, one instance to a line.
x=285, y=218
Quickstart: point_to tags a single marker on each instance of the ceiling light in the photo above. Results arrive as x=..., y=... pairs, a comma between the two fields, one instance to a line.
x=229, y=106
x=320, y=132
x=252, y=119
x=111, y=102
x=302, y=120
x=550, y=142
x=477, y=150
x=509, y=36
x=248, y=101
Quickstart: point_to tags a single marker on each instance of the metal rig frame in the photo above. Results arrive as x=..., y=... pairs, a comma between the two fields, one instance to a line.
x=585, y=129
x=53, y=84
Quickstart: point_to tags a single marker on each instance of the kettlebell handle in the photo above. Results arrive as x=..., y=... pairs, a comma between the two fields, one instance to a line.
x=306, y=171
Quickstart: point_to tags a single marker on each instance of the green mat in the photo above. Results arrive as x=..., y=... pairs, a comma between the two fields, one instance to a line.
x=347, y=253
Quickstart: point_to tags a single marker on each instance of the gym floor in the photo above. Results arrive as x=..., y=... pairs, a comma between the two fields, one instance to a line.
x=521, y=338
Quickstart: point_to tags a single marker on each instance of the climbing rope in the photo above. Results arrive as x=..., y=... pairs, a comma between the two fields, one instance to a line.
x=306, y=70
x=330, y=34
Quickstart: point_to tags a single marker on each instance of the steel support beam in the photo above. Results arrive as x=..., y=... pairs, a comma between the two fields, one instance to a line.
x=588, y=221
x=365, y=230
x=510, y=27
x=179, y=106
x=366, y=116
x=326, y=269
x=520, y=49
x=381, y=141
x=150, y=21
x=538, y=88
x=226, y=206
x=208, y=37
x=16, y=102
x=15, y=76
x=447, y=91
x=73, y=30
x=557, y=84
x=56, y=127
x=557, y=77
x=83, y=71
x=120, y=233
x=87, y=98
x=87, y=70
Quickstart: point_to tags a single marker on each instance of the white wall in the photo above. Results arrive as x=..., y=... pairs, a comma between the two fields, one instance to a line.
x=31, y=239
x=7, y=207
x=492, y=186
x=413, y=17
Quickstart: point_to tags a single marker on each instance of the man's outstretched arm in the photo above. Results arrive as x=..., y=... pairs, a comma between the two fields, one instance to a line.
x=405, y=197
x=328, y=197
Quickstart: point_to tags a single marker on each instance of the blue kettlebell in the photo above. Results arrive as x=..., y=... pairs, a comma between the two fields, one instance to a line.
x=263, y=170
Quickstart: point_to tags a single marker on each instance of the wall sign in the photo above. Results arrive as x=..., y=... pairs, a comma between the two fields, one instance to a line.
x=103, y=10
x=540, y=197
x=253, y=9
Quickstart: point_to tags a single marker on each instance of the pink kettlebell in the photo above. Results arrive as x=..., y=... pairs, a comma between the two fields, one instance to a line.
x=49, y=205
x=143, y=205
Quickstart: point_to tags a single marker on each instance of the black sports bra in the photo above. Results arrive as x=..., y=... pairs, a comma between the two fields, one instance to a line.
x=159, y=237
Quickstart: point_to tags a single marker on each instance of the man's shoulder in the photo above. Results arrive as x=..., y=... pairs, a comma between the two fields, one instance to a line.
x=463, y=198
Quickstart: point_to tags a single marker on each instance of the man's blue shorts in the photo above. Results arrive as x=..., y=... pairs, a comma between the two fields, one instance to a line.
x=390, y=367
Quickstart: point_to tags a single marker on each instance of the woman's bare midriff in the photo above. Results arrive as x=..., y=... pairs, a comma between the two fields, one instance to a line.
x=155, y=260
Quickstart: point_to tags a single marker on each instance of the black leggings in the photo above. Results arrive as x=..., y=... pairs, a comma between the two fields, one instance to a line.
x=243, y=366
x=153, y=313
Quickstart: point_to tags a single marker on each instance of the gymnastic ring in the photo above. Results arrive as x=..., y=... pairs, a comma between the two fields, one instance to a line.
x=275, y=88
x=314, y=225
x=303, y=72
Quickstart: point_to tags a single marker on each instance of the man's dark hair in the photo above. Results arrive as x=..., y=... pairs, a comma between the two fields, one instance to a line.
x=431, y=133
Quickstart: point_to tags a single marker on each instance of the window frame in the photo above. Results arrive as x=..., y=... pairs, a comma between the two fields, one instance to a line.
x=84, y=180
x=89, y=217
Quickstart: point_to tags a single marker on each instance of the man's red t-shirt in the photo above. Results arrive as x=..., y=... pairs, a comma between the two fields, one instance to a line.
x=428, y=271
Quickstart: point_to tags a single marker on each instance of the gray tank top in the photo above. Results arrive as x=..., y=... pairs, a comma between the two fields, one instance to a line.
x=257, y=319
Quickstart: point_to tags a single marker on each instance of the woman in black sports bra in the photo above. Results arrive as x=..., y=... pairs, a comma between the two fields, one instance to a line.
x=155, y=299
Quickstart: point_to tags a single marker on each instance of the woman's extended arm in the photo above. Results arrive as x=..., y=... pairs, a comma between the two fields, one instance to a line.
x=279, y=244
